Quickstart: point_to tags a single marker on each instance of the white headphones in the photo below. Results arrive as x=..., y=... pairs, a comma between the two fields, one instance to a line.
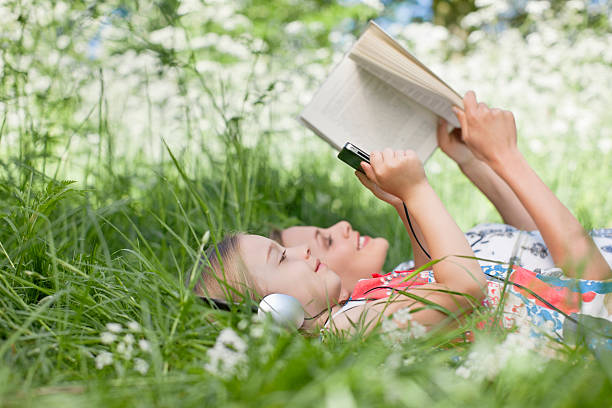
x=285, y=310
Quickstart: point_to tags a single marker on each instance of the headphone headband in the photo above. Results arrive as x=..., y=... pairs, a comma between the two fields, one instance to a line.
x=223, y=304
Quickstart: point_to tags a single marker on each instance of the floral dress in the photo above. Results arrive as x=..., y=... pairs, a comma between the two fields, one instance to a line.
x=499, y=246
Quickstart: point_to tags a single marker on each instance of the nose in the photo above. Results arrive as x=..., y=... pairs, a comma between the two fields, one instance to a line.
x=303, y=251
x=345, y=228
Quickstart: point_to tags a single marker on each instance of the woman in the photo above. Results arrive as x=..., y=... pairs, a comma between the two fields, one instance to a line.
x=518, y=241
x=490, y=135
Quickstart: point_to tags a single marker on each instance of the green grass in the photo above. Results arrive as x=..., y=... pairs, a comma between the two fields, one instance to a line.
x=114, y=247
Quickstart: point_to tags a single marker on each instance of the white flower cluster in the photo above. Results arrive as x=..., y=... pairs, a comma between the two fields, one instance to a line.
x=228, y=356
x=401, y=328
x=521, y=350
x=124, y=347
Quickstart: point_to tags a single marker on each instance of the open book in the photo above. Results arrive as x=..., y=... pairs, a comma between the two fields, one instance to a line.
x=381, y=96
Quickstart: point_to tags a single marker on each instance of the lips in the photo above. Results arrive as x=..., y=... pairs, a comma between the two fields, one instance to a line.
x=318, y=265
x=362, y=241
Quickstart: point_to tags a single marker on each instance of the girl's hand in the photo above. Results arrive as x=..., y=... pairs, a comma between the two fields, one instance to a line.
x=396, y=172
x=489, y=133
x=452, y=145
x=376, y=190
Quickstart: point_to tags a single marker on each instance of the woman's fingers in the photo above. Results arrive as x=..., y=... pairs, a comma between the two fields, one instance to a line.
x=363, y=179
x=442, y=127
x=470, y=104
x=388, y=155
x=462, y=121
x=369, y=173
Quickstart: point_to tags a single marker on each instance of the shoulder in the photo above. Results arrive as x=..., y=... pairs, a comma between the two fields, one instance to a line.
x=365, y=317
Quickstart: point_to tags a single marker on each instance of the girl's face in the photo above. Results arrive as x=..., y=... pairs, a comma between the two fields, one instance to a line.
x=291, y=271
x=343, y=249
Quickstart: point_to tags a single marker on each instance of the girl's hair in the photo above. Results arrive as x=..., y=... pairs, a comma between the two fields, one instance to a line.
x=223, y=275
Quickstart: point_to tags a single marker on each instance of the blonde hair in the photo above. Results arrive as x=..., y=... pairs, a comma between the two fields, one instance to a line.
x=222, y=274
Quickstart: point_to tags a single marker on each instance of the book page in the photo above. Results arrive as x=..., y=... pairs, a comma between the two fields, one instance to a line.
x=405, y=57
x=428, y=99
x=377, y=48
x=355, y=106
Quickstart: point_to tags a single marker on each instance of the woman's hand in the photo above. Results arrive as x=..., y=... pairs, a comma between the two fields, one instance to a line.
x=452, y=145
x=489, y=133
x=396, y=172
x=377, y=191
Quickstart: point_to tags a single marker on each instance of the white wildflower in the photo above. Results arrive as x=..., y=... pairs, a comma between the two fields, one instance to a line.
x=141, y=366
x=128, y=339
x=61, y=8
x=257, y=332
x=401, y=328
x=389, y=325
x=190, y=6
x=402, y=316
x=464, y=372
x=107, y=337
x=605, y=145
x=521, y=349
x=114, y=327
x=103, y=359
x=63, y=41
x=537, y=7
x=144, y=345
x=134, y=326
x=375, y=4
x=243, y=324
x=163, y=36
x=417, y=330
x=294, y=27
x=229, y=339
x=575, y=5
x=483, y=3
x=125, y=350
x=228, y=354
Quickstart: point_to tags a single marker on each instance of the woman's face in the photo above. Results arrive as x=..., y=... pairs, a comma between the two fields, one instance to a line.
x=343, y=249
x=291, y=271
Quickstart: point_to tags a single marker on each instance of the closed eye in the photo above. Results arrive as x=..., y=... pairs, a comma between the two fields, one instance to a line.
x=329, y=241
x=283, y=256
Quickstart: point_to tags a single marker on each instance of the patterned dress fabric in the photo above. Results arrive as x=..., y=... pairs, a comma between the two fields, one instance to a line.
x=499, y=245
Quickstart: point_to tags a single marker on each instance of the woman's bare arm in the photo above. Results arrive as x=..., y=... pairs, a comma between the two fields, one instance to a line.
x=485, y=179
x=491, y=136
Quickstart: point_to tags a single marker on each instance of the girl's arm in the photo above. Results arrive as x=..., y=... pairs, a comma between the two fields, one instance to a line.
x=401, y=174
x=491, y=136
x=418, y=255
x=485, y=179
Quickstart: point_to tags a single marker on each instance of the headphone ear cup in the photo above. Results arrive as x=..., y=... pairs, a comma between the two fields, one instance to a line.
x=285, y=310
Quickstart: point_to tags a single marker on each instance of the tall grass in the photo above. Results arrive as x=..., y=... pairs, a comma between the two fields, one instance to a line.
x=114, y=247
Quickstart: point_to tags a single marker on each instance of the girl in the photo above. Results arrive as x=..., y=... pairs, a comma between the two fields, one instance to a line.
x=259, y=266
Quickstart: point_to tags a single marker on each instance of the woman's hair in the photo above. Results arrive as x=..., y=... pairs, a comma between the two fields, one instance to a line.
x=276, y=234
x=222, y=274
